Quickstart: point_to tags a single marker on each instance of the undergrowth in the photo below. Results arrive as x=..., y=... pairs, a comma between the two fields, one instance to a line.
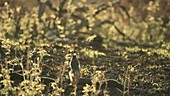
x=35, y=55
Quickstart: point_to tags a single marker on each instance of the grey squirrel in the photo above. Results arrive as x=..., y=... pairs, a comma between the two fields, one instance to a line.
x=74, y=73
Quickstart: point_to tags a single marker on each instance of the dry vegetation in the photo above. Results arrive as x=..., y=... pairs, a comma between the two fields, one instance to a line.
x=122, y=46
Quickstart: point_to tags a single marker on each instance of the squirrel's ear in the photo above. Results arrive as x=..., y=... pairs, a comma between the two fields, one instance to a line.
x=74, y=54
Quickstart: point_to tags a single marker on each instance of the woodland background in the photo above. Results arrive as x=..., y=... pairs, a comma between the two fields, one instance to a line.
x=121, y=43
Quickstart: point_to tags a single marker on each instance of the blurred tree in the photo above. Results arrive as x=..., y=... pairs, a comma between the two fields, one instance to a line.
x=122, y=20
